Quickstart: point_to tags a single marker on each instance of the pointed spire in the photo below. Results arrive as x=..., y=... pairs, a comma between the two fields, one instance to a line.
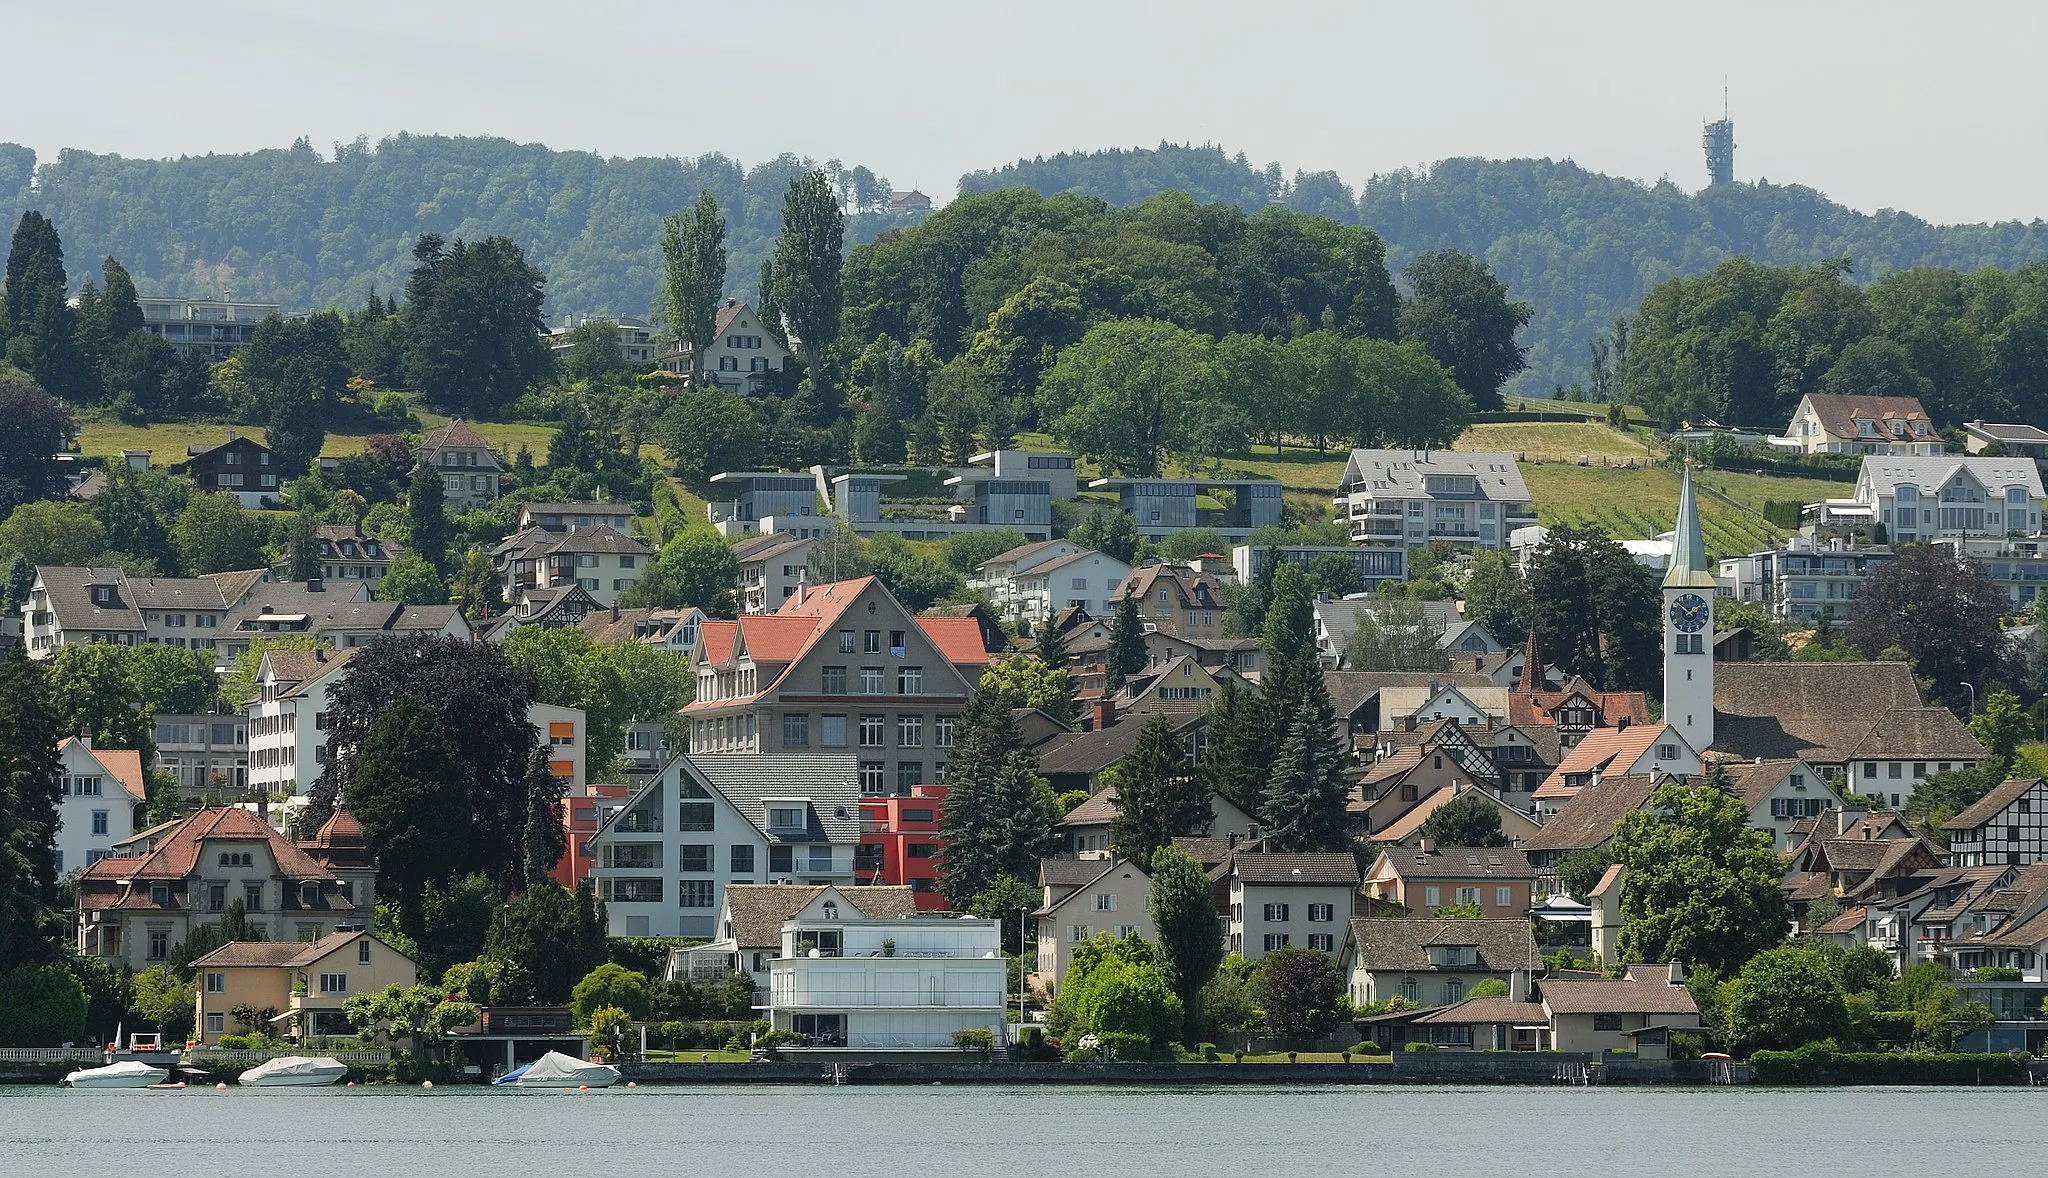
x=1688, y=552
x=1532, y=665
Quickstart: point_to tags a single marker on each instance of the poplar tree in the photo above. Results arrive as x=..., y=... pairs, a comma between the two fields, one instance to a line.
x=427, y=517
x=807, y=261
x=1183, y=910
x=30, y=772
x=693, y=262
x=546, y=838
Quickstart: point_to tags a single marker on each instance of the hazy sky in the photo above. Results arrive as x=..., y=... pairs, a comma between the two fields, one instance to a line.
x=1932, y=108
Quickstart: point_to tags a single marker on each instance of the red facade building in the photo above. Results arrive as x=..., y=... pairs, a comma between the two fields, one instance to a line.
x=900, y=843
x=581, y=815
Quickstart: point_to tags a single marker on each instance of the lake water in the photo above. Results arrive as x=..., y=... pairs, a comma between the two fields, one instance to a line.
x=1037, y=1131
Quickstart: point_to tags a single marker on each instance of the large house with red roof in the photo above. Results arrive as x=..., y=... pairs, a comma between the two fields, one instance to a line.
x=133, y=910
x=1635, y=750
x=101, y=790
x=841, y=667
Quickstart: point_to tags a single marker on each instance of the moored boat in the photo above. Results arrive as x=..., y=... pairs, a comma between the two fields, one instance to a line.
x=129, y=1073
x=556, y=1070
x=295, y=1071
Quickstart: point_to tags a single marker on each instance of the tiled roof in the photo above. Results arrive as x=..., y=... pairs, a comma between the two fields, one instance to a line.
x=1093, y=751
x=602, y=539
x=623, y=624
x=375, y=548
x=1537, y=707
x=68, y=589
x=1273, y=868
x=1984, y=809
x=177, y=856
x=1753, y=781
x=1603, y=751
x=1073, y=873
x=123, y=765
x=1024, y=552
x=1932, y=472
x=1838, y=411
x=1099, y=810
x=1589, y=819
x=1815, y=710
x=456, y=435
x=1485, y=1010
x=1608, y=879
x=760, y=910
x=830, y=780
x=1458, y=863
x=278, y=953
x=768, y=546
x=1919, y=733
x=1190, y=588
x=1631, y=995
x=958, y=639
x=1403, y=828
x=1349, y=690
x=303, y=668
x=1383, y=943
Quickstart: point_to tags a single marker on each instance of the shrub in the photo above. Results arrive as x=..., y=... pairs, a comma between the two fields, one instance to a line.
x=975, y=1039
x=1420, y=1047
x=611, y=984
x=774, y=1041
x=1125, y=1046
x=1366, y=1047
x=1820, y=1063
x=1996, y=973
x=1208, y=1052
x=240, y=1042
x=1684, y=1046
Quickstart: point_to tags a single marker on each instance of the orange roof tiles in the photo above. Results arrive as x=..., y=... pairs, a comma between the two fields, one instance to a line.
x=1599, y=751
x=124, y=765
x=178, y=855
x=959, y=639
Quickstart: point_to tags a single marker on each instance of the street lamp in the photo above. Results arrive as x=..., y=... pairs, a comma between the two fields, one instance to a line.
x=1973, y=698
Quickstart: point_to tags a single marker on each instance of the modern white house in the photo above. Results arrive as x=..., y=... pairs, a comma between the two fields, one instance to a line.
x=1034, y=593
x=637, y=344
x=96, y=809
x=846, y=980
x=661, y=861
x=1943, y=497
x=287, y=721
x=1418, y=497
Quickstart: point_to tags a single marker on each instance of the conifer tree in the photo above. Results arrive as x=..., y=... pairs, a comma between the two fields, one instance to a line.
x=1159, y=798
x=302, y=553
x=1125, y=655
x=546, y=839
x=999, y=813
x=1303, y=807
x=427, y=516
x=30, y=772
x=1052, y=645
x=35, y=267
x=120, y=308
x=1240, y=748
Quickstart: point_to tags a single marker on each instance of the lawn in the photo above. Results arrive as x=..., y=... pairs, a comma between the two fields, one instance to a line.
x=167, y=440
x=697, y=1056
x=1560, y=442
x=1280, y=1057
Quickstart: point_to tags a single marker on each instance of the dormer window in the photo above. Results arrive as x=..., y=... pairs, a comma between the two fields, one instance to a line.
x=160, y=895
x=786, y=818
x=103, y=595
x=309, y=895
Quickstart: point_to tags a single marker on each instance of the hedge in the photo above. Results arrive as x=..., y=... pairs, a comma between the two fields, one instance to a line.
x=1817, y=1064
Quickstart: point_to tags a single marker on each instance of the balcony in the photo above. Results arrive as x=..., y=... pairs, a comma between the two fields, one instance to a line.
x=639, y=822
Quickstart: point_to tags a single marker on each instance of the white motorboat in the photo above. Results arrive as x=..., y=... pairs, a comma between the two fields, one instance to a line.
x=295, y=1071
x=555, y=1070
x=129, y=1073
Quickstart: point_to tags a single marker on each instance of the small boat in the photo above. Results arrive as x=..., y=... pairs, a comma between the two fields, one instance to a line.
x=555, y=1070
x=129, y=1073
x=512, y=1077
x=295, y=1071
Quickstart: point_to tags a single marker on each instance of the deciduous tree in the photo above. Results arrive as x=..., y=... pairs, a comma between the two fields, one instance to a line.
x=808, y=258
x=1182, y=905
x=693, y=264
x=407, y=791
x=1702, y=884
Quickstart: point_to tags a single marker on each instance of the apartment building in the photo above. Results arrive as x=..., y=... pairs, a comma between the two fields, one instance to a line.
x=214, y=328
x=771, y=567
x=1413, y=498
x=570, y=517
x=70, y=604
x=286, y=724
x=662, y=859
x=1288, y=902
x=1173, y=599
x=1163, y=506
x=637, y=345
x=203, y=752
x=840, y=667
x=902, y=842
x=1923, y=499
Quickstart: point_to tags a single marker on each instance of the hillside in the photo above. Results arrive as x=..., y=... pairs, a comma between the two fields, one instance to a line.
x=294, y=227
x=1579, y=246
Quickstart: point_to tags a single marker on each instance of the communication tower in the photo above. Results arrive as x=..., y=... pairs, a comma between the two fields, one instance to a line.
x=1719, y=141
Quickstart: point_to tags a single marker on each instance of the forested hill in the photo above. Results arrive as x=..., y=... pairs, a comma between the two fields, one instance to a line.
x=1579, y=246
x=299, y=228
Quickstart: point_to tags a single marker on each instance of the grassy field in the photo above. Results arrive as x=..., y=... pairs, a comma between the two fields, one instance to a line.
x=1560, y=442
x=1638, y=504
x=166, y=441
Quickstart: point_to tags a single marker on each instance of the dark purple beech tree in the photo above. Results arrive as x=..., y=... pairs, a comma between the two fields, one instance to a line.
x=480, y=698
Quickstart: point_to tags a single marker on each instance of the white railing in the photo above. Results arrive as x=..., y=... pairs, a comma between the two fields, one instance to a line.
x=372, y=1057
x=50, y=1055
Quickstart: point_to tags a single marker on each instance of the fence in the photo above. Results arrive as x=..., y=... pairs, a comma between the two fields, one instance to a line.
x=375, y=1057
x=50, y=1055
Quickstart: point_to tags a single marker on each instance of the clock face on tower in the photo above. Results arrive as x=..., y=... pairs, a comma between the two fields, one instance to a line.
x=1689, y=612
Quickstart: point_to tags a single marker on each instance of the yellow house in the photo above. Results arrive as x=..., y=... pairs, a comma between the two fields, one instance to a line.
x=302, y=983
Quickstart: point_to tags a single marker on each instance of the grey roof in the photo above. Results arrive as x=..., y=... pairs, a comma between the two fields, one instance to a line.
x=1931, y=473
x=830, y=780
x=333, y=536
x=1632, y=995
x=1992, y=804
x=1459, y=863
x=1404, y=473
x=1816, y=710
x=1349, y=690
x=334, y=606
x=1919, y=732
x=603, y=538
x=759, y=911
x=1282, y=869
x=1399, y=943
x=2006, y=432
x=1092, y=752
x=1485, y=1010
x=1073, y=873
x=545, y=507
x=1341, y=617
x=1024, y=552
x=69, y=591
x=762, y=547
x=1689, y=565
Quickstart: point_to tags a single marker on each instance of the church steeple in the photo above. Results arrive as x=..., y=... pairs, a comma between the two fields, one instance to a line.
x=1532, y=665
x=1688, y=551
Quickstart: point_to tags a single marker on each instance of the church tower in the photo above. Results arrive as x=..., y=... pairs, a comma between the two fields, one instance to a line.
x=1689, y=628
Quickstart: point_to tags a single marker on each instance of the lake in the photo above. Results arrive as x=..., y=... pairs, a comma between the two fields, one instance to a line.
x=1037, y=1131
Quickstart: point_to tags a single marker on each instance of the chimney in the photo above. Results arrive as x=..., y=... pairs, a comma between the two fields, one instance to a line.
x=315, y=585
x=1518, y=985
x=1102, y=713
x=231, y=435
x=1621, y=723
x=801, y=588
x=1676, y=974
x=1426, y=845
x=1407, y=723
x=85, y=738
x=319, y=654
x=615, y=611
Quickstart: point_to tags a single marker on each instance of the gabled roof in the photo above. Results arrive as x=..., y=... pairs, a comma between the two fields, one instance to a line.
x=1383, y=943
x=123, y=765
x=1024, y=552
x=1991, y=805
x=649, y=624
x=768, y=545
x=830, y=780
x=1930, y=473
x=958, y=639
x=1073, y=873
x=1098, y=869
x=1190, y=588
x=1401, y=829
x=758, y=911
x=1270, y=869
x=303, y=668
x=1754, y=781
x=1093, y=751
x=1919, y=733
x=1503, y=863
x=1603, y=751
x=285, y=954
x=1474, y=1011
x=1351, y=690
x=455, y=435
x=1819, y=711
x=202, y=449
x=1589, y=819
x=1405, y=473
x=601, y=539
x=1838, y=412
x=1644, y=991
x=1539, y=707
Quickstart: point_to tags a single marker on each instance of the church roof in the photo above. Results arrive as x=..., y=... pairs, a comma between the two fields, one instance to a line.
x=1689, y=565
